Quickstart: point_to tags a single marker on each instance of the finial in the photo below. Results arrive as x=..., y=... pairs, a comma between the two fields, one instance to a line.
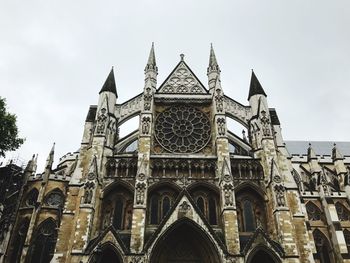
x=309, y=144
x=182, y=57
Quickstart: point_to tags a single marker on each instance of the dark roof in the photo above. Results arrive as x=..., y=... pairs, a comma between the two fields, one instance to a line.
x=320, y=147
x=255, y=87
x=109, y=84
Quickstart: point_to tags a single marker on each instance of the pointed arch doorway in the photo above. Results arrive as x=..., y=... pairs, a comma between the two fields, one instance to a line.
x=184, y=242
x=262, y=256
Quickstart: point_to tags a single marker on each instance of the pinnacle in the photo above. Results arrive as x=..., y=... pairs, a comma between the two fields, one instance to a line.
x=255, y=87
x=151, y=62
x=213, y=63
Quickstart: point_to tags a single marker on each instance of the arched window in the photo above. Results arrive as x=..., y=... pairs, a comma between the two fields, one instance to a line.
x=19, y=240
x=212, y=211
x=343, y=213
x=324, y=252
x=200, y=204
x=248, y=216
x=32, y=197
x=118, y=213
x=154, y=210
x=160, y=203
x=251, y=212
x=165, y=205
x=44, y=242
x=313, y=212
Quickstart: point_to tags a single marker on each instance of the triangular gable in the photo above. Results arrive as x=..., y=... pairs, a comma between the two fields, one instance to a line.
x=260, y=237
x=182, y=80
x=184, y=208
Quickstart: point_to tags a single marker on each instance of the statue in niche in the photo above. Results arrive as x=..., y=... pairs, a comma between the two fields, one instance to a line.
x=221, y=126
x=147, y=98
x=101, y=121
x=146, y=125
x=265, y=122
x=279, y=190
x=228, y=195
x=140, y=193
x=219, y=99
x=88, y=196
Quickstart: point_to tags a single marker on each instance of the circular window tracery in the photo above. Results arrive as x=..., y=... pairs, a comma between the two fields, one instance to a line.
x=55, y=199
x=182, y=129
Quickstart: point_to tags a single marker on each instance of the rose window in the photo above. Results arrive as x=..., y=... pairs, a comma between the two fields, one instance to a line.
x=55, y=199
x=182, y=129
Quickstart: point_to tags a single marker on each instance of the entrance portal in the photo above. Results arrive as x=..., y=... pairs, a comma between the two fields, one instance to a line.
x=109, y=256
x=262, y=257
x=184, y=243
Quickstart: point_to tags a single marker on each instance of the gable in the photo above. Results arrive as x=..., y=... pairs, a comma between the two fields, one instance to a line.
x=182, y=80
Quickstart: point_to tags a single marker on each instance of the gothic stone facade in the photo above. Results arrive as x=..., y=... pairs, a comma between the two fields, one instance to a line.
x=183, y=188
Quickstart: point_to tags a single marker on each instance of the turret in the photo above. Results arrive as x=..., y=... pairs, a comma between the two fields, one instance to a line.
x=213, y=71
x=108, y=94
x=338, y=161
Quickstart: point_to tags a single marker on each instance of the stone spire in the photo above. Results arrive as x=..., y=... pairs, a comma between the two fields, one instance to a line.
x=151, y=63
x=50, y=158
x=213, y=70
x=213, y=64
x=32, y=164
x=109, y=84
x=255, y=87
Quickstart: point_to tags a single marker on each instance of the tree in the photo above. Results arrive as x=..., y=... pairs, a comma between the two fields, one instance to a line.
x=9, y=140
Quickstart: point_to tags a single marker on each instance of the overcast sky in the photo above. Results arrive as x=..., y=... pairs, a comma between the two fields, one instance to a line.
x=56, y=55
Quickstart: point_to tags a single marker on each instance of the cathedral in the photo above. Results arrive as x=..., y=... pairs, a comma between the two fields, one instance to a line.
x=182, y=187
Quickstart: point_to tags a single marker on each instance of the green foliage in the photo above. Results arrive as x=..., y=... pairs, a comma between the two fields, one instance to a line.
x=9, y=140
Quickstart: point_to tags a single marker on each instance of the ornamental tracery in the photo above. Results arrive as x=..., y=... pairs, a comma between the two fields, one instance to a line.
x=182, y=129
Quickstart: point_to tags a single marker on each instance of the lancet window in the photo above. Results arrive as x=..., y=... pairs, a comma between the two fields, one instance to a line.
x=324, y=252
x=19, y=241
x=250, y=211
x=44, y=242
x=347, y=239
x=117, y=209
x=32, y=197
x=342, y=211
x=207, y=203
x=161, y=201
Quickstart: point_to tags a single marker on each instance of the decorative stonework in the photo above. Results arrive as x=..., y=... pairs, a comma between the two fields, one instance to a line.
x=182, y=81
x=182, y=129
x=101, y=121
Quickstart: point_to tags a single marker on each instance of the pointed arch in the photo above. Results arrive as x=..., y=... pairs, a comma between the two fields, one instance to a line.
x=106, y=253
x=323, y=248
x=342, y=211
x=161, y=199
x=314, y=213
x=251, y=209
x=184, y=241
x=262, y=254
x=32, y=197
x=20, y=237
x=44, y=241
x=116, y=207
x=207, y=199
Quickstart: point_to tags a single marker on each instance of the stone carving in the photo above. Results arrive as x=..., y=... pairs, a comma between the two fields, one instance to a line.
x=101, y=122
x=182, y=81
x=219, y=99
x=265, y=122
x=184, y=206
x=236, y=109
x=129, y=108
x=228, y=194
x=279, y=191
x=221, y=126
x=146, y=123
x=141, y=177
x=182, y=129
x=88, y=194
x=140, y=193
x=277, y=179
x=147, y=99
